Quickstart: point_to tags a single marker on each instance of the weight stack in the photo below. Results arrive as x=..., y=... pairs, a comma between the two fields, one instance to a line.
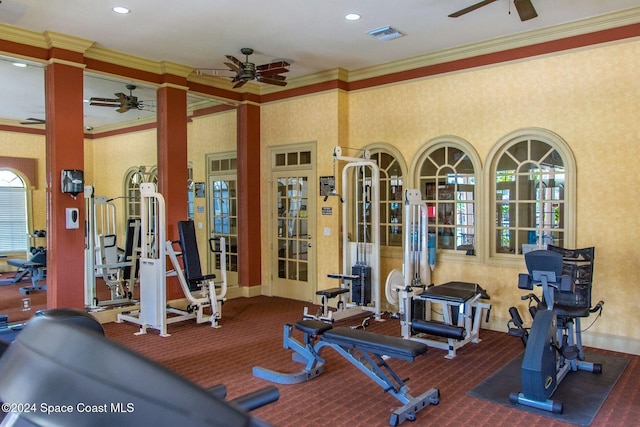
x=361, y=287
x=419, y=309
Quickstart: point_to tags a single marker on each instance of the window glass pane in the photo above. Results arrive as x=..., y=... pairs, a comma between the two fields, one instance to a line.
x=305, y=157
x=292, y=159
x=533, y=208
x=13, y=214
x=391, y=190
x=448, y=178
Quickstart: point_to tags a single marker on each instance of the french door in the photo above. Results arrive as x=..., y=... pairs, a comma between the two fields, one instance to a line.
x=293, y=224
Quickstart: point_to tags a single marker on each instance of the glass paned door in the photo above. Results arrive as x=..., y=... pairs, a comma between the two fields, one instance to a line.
x=293, y=260
x=224, y=223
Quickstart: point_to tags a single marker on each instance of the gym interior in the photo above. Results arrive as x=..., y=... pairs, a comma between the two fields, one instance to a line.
x=318, y=255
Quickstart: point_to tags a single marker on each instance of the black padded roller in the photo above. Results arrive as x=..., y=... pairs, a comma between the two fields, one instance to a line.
x=439, y=329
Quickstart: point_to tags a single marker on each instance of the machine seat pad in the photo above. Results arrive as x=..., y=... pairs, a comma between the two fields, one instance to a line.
x=313, y=327
x=569, y=311
x=332, y=292
x=17, y=262
x=343, y=276
x=379, y=344
x=459, y=292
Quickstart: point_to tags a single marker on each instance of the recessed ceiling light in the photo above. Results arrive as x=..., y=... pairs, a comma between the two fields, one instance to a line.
x=121, y=10
x=352, y=17
x=19, y=64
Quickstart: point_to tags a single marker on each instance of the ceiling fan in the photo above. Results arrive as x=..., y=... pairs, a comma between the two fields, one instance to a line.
x=525, y=9
x=122, y=102
x=247, y=71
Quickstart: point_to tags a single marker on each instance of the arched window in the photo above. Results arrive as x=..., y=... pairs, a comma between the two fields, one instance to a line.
x=532, y=193
x=392, y=172
x=132, y=180
x=447, y=174
x=13, y=215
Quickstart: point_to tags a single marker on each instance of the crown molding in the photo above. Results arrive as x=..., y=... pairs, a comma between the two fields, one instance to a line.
x=143, y=124
x=22, y=36
x=179, y=70
x=122, y=59
x=63, y=41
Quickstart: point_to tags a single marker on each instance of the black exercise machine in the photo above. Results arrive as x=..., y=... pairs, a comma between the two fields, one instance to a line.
x=10, y=330
x=367, y=351
x=35, y=268
x=57, y=373
x=553, y=344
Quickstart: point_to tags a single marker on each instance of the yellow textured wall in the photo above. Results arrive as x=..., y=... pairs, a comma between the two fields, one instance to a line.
x=590, y=98
x=314, y=118
x=209, y=134
x=13, y=144
x=112, y=157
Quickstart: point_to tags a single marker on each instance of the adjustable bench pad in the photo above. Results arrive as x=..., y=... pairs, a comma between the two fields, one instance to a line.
x=332, y=292
x=370, y=342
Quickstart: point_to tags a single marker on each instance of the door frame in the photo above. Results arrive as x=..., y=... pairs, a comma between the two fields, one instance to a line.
x=278, y=167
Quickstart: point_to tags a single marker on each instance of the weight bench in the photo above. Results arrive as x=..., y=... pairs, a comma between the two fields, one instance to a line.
x=35, y=267
x=325, y=314
x=461, y=312
x=367, y=351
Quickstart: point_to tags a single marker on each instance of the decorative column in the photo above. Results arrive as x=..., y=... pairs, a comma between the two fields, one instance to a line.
x=249, y=235
x=64, y=88
x=172, y=154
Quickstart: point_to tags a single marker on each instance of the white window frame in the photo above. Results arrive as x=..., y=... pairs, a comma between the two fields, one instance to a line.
x=501, y=147
x=458, y=143
x=15, y=208
x=384, y=148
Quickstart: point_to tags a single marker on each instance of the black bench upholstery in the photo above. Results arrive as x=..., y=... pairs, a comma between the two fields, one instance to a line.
x=459, y=292
x=375, y=343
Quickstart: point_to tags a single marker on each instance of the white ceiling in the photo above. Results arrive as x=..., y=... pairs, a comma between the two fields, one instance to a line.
x=312, y=35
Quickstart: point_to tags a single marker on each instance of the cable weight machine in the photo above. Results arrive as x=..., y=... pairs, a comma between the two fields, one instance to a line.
x=359, y=289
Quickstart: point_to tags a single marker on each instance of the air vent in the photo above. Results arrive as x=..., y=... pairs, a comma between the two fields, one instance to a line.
x=385, y=33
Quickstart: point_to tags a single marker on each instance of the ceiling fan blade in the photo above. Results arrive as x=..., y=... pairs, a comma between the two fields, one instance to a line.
x=32, y=121
x=525, y=9
x=239, y=84
x=272, y=81
x=104, y=100
x=123, y=109
x=471, y=8
x=233, y=67
x=273, y=68
x=104, y=104
x=234, y=60
x=276, y=76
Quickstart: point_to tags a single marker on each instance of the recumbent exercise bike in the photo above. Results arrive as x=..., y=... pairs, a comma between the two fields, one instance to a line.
x=553, y=344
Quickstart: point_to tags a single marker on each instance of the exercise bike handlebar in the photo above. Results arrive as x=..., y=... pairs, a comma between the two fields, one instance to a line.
x=597, y=307
x=530, y=297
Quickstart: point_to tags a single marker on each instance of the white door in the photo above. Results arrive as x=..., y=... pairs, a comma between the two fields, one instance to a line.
x=293, y=197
